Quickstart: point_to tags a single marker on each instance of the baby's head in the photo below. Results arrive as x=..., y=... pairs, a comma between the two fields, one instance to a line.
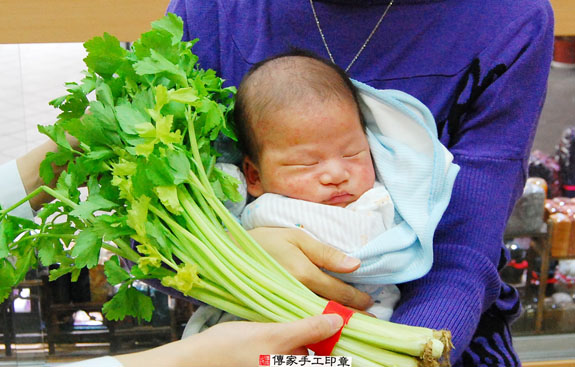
x=301, y=132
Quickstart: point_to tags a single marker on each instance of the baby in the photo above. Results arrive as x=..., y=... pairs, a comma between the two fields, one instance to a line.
x=312, y=162
x=303, y=137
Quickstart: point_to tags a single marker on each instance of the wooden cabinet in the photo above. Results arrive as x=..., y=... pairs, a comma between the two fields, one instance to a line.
x=564, y=17
x=40, y=21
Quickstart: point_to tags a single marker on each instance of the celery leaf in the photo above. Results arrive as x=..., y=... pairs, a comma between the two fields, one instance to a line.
x=114, y=272
x=86, y=251
x=128, y=302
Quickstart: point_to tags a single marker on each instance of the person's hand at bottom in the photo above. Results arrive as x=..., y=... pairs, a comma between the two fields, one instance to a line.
x=238, y=344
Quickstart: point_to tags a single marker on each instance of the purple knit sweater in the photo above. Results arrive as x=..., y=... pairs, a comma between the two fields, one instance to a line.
x=481, y=67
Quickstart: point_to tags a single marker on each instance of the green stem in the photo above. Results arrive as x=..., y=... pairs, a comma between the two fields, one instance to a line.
x=220, y=244
x=253, y=248
x=397, y=337
x=227, y=306
x=220, y=241
x=126, y=249
x=28, y=197
x=196, y=152
x=366, y=356
x=48, y=235
x=113, y=249
x=59, y=196
x=235, y=285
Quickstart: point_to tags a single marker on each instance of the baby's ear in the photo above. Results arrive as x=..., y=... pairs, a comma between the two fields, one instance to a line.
x=253, y=179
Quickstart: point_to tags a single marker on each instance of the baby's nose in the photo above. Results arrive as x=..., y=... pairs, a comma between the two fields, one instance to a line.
x=334, y=174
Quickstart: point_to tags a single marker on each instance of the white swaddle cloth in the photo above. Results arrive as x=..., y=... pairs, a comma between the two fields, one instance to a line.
x=347, y=229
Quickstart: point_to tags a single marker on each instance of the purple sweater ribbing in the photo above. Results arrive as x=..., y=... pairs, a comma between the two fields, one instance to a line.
x=481, y=67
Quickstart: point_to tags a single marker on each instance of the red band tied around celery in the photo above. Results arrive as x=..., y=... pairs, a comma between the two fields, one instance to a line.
x=325, y=347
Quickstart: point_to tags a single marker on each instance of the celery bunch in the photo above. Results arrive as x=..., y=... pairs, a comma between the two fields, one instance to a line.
x=147, y=159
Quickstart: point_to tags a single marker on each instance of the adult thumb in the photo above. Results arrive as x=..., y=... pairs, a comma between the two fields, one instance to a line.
x=310, y=330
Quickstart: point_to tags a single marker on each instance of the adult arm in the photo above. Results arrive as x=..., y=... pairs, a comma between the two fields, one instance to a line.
x=241, y=342
x=490, y=131
x=20, y=177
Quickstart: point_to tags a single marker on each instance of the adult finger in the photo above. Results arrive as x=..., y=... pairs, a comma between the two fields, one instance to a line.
x=309, y=330
x=323, y=255
x=334, y=260
x=334, y=289
x=302, y=256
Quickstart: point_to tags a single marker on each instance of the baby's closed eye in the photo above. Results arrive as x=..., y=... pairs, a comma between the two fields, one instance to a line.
x=308, y=163
x=356, y=154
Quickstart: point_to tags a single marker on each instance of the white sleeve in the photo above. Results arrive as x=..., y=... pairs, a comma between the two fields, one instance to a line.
x=12, y=190
x=97, y=362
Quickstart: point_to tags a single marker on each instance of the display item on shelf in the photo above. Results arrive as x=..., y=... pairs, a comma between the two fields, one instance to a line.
x=565, y=156
x=567, y=268
x=527, y=215
x=535, y=280
x=538, y=182
x=563, y=236
x=546, y=167
x=562, y=298
x=558, y=318
x=564, y=52
x=565, y=276
x=515, y=269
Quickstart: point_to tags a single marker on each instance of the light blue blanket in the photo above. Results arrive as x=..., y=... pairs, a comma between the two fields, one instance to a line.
x=418, y=172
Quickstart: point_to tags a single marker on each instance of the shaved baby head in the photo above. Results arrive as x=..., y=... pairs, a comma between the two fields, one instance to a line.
x=295, y=81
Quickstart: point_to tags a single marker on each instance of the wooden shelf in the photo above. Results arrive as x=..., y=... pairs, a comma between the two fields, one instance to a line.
x=541, y=246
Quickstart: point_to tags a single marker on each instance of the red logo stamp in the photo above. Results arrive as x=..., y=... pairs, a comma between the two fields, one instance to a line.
x=264, y=360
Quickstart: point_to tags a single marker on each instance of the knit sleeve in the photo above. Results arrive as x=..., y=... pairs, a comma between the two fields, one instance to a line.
x=489, y=130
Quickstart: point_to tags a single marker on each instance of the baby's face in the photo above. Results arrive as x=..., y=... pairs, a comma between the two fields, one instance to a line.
x=317, y=153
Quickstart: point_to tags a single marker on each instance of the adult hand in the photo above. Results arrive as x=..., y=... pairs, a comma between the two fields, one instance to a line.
x=29, y=169
x=238, y=344
x=303, y=257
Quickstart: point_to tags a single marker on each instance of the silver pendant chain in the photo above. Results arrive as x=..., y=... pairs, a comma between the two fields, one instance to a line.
x=362, y=46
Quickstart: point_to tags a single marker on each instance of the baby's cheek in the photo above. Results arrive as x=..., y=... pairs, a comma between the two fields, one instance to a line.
x=298, y=187
x=367, y=175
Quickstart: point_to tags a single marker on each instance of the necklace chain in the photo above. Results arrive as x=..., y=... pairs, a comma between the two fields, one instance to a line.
x=362, y=46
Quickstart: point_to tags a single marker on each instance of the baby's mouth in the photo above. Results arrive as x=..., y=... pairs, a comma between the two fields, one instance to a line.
x=339, y=199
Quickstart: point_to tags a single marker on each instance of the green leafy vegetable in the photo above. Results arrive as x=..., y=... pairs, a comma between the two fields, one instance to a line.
x=147, y=159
